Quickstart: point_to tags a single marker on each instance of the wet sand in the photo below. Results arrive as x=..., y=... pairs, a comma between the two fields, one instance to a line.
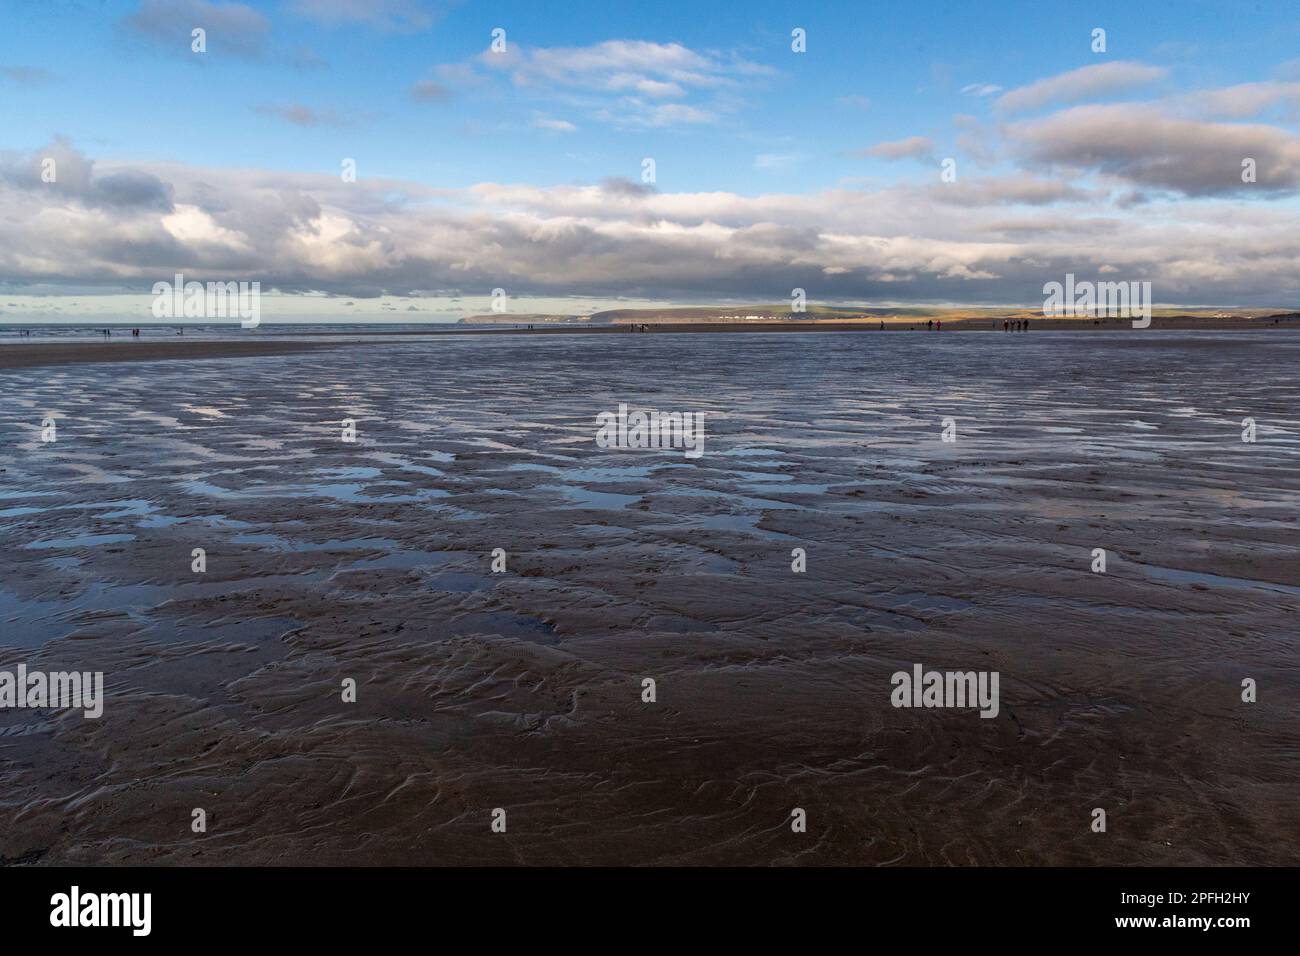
x=79, y=346
x=1281, y=322
x=522, y=690
x=41, y=354
x=1276, y=323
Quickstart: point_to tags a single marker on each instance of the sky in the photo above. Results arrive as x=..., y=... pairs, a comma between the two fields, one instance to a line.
x=652, y=153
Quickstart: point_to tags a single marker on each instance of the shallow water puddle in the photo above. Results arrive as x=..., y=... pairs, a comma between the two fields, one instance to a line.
x=1211, y=580
x=587, y=498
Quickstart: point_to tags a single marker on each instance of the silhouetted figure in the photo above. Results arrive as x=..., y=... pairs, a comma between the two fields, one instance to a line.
x=1006, y=325
x=930, y=325
x=938, y=325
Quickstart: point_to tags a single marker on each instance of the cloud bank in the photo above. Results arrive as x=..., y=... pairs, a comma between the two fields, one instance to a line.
x=981, y=239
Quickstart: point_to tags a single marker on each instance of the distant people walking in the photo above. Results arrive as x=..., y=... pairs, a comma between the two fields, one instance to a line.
x=930, y=325
x=938, y=325
x=1006, y=325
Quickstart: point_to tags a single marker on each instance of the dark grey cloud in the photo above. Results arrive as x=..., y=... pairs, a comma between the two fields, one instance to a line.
x=621, y=186
x=390, y=15
x=1146, y=148
x=299, y=115
x=74, y=178
x=232, y=28
x=25, y=75
x=429, y=91
x=1010, y=190
x=305, y=58
x=913, y=147
x=132, y=188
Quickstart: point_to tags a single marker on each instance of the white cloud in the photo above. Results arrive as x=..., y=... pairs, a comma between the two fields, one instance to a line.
x=778, y=161
x=626, y=83
x=980, y=89
x=113, y=224
x=1076, y=86
x=191, y=225
x=555, y=125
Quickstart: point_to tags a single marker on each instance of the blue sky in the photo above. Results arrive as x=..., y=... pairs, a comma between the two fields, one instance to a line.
x=712, y=92
x=130, y=99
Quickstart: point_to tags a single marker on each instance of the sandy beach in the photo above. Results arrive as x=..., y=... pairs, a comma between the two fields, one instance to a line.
x=522, y=690
x=50, y=347
x=37, y=354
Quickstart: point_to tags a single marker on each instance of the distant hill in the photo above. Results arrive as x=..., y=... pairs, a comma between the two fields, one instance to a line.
x=710, y=314
x=733, y=313
x=519, y=318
